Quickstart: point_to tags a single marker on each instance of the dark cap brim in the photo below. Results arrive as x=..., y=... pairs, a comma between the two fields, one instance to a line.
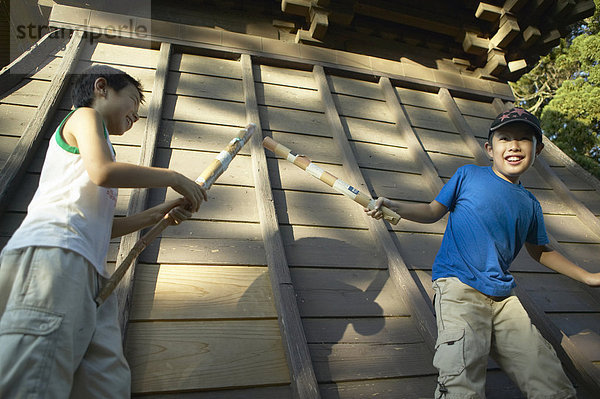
x=536, y=128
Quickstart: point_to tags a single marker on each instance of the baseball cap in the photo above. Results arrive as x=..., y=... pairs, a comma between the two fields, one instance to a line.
x=517, y=115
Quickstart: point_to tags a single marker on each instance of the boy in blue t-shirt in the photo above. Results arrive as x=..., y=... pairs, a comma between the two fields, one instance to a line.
x=491, y=217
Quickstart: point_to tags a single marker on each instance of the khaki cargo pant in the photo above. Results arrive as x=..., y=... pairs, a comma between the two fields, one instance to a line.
x=54, y=341
x=472, y=326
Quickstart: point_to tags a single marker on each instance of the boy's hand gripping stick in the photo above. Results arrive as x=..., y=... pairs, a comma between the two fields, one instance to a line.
x=306, y=164
x=206, y=180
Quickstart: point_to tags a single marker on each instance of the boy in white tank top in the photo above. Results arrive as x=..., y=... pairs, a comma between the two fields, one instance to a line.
x=54, y=341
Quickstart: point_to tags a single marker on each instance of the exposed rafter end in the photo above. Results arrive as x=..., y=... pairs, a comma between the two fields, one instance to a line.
x=296, y=7
x=473, y=44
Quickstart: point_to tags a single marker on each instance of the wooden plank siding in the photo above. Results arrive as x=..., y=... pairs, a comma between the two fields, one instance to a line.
x=207, y=308
x=205, y=292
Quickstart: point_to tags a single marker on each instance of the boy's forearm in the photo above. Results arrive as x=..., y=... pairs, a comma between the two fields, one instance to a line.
x=129, y=224
x=421, y=213
x=124, y=175
x=557, y=262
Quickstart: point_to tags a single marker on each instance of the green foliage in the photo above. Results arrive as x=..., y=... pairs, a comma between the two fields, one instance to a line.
x=563, y=90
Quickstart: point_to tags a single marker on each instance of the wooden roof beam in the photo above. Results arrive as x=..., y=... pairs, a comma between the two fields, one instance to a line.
x=508, y=30
x=474, y=44
x=434, y=23
x=318, y=23
x=530, y=35
x=582, y=9
x=315, y=14
x=562, y=8
x=488, y=12
x=496, y=63
x=514, y=6
x=296, y=7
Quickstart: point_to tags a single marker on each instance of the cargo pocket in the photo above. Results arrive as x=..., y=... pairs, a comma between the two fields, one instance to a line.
x=27, y=339
x=449, y=356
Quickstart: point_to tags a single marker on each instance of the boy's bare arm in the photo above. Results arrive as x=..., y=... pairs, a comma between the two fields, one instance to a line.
x=150, y=217
x=552, y=259
x=421, y=213
x=85, y=131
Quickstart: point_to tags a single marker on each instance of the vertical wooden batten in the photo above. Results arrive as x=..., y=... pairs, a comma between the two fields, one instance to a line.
x=575, y=362
x=139, y=197
x=415, y=147
x=29, y=61
x=463, y=127
x=33, y=133
x=398, y=270
x=303, y=380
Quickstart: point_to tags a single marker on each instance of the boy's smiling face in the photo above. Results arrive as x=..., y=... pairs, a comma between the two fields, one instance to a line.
x=119, y=109
x=513, y=150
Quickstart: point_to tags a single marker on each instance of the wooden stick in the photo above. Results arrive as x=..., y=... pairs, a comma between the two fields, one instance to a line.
x=306, y=164
x=206, y=179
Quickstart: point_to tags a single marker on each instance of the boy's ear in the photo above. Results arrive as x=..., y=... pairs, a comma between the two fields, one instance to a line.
x=538, y=148
x=488, y=149
x=100, y=86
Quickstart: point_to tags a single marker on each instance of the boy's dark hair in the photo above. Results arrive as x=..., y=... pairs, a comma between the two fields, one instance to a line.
x=82, y=93
x=516, y=115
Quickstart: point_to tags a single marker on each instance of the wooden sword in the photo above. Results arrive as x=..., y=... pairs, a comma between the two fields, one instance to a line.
x=206, y=179
x=339, y=185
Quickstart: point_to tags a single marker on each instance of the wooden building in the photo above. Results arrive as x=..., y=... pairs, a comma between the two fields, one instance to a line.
x=281, y=287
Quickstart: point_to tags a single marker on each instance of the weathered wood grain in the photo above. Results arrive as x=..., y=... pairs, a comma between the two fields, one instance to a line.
x=139, y=197
x=172, y=292
x=397, y=268
x=272, y=392
x=212, y=87
x=209, y=66
x=287, y=97
x=216, y=251
x=283, y=76
x=203, y=355
x=351, y=362
x=349, y=330
x=347, y=293
x=303, y=380
x=355, y=87
x=330, y=247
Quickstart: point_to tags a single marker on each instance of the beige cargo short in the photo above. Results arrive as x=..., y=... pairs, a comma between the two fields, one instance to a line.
x=54, y=341
x=472, y=326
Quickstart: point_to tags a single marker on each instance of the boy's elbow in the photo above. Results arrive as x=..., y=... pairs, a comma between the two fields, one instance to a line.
x=101, y=176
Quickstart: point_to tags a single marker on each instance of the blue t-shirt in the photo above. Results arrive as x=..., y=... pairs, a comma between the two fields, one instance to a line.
x=490, y=220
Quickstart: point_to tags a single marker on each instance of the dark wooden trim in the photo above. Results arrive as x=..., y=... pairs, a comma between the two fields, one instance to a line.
x=27, y=62
x=420, y=309
x=23, y=153
x=125, y=37
x=139, y=197
x=303, y=380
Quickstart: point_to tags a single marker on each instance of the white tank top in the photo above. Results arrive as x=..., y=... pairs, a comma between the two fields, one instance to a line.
x=68, y=210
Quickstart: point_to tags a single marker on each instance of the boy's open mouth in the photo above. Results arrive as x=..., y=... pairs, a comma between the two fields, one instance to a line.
x=514, y=159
